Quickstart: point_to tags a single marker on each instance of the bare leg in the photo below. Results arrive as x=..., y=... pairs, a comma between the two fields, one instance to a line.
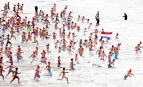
x=7, y=74
x=32, y=61
x=15, y=38
x=10, y=44
x=12, y=80
x=99, y=66
x=34, y=77
x=3, y=77
x=60, y=79
x=18, y=80
x=26, y=41
x=67, y=81
x=22, y=58
x=17, y=60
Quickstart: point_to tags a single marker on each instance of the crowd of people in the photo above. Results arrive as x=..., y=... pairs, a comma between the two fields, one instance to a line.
x=29, y=31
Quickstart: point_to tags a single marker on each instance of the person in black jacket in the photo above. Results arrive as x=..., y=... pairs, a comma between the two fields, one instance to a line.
x=36, y=9
x=97, y=18
x=97, y=21
x=125, y=16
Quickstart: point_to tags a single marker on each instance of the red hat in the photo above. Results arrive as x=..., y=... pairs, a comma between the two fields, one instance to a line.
x=130, y=70
x=24, y=33
x=71, y=41
x=1, y=66
x=10, y=52
x=11, y=63
x=49, y=63
x=117, y=34
x=38, y=66
x=48, y=44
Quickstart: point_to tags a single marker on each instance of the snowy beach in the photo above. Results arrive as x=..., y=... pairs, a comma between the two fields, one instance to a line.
x=111, y=20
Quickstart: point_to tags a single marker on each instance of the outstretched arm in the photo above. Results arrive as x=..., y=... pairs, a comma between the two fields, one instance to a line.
x=132, y=74
x=19, y=73
x=30, y=56
x=61, y=73
x=97, y=51
x=7, y=67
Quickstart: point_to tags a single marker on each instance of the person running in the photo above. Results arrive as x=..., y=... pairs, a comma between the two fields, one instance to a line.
x=71, y=65
x=128, y=74
x=10, y=69
x=1, y=70
x=1, y=61
x=37, y=73
x=35, y=40
x=48, y=67
x=63, y=75
x=59, y=62
x=111, y=63
x=15, y=73
x=33, y=56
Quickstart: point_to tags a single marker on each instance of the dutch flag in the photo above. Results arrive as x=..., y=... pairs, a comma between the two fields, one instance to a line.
x=106, y=34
